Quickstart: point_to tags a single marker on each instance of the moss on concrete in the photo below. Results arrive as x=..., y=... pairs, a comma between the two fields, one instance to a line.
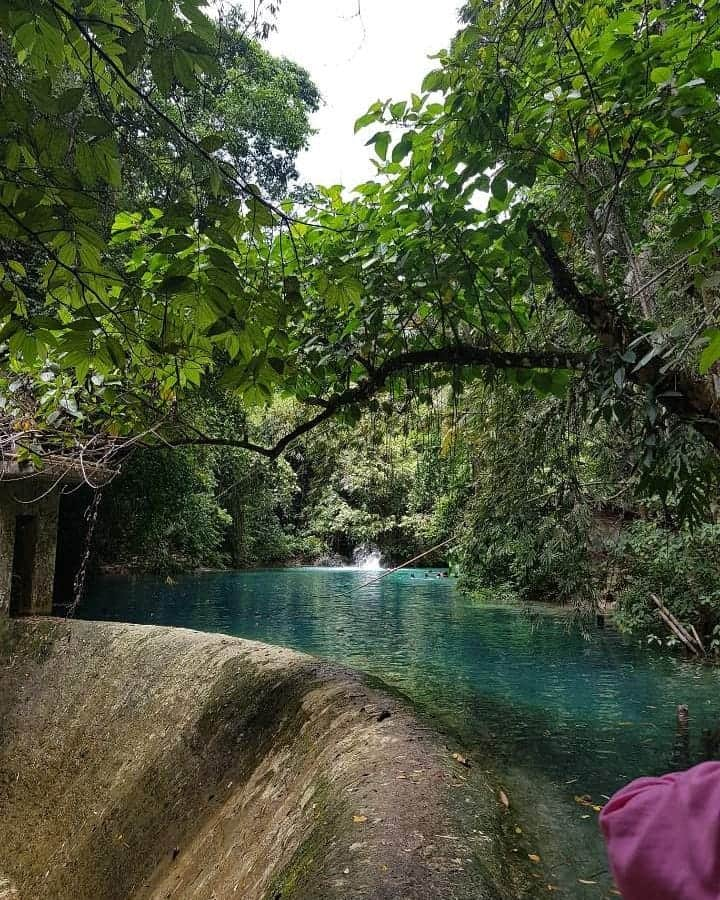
x=34, y=639
x=140, y=762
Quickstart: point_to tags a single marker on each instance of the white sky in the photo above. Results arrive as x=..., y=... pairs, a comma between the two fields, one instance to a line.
x=355, y=60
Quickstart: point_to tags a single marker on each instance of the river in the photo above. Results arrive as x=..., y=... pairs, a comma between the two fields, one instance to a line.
x=563, y=714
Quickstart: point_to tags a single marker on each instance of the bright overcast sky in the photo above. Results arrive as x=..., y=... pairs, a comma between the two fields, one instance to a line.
x=355, y=60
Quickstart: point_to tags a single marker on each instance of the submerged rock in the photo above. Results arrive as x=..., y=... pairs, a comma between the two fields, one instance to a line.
x=143, y=762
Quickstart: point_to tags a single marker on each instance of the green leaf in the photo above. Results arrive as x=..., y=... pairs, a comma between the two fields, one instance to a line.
x=96, y=126
x=372, y=115
x=174, y=243
x=258, y=212
x=134, y=50
x=433, y=82
x=164, y=16
x=661, y=75
x=116, y=352
x=381, y=142
x=499, y=187
x=161, y=66
x=711, y=353
x=402, y=148
x=10, y=328
x=184, y=69
x=123, y=222
x=70, y=100
x=212, y=142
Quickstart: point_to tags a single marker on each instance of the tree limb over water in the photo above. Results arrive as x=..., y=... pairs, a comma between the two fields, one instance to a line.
x=462, y=355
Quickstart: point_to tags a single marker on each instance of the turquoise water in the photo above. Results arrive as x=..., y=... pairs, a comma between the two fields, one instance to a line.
x=572, y=704
x=580, y=713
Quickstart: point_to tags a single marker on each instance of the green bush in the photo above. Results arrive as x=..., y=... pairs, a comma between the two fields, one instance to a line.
x=161, y=513
x=682, y=568
x=532, y=552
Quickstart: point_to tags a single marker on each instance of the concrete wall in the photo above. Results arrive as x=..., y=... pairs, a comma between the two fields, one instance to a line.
x=141, y=763
x=20, y=498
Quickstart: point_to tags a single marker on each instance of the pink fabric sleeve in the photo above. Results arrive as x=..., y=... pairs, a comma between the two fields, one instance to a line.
x=663, y=836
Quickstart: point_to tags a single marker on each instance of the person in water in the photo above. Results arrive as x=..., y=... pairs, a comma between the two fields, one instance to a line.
x=663, y=836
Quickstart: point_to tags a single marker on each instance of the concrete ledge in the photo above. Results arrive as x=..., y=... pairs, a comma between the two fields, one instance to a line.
x=143, y=762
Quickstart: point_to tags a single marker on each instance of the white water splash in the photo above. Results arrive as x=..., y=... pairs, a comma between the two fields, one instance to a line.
x=368, y=559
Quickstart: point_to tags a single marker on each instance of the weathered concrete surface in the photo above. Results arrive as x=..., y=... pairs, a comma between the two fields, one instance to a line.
x=141, y=762
x=38, y=498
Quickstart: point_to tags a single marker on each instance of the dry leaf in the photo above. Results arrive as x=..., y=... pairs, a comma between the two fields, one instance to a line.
x=504, y=799
x=585, y=881
x=534, y=857
x=359, y=819
x=463, y=760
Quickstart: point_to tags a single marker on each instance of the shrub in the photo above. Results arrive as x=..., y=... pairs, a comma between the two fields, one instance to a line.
x=680, y=567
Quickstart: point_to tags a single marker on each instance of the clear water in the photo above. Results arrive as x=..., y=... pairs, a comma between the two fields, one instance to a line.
x=558, y=711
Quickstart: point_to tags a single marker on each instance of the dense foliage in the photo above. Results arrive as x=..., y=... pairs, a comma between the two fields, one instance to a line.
x=682, y=567
x=586, y=126
x=381, y=486
x=539, y=249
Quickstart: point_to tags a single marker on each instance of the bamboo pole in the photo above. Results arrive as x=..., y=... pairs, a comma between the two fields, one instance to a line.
x=403, y=566
x=675, y=619
x=676, y=631
x=675, y=625
x=697, y=638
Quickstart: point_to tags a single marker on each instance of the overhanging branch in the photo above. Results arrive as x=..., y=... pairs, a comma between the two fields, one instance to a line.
x=460, y=355
x=691, y=399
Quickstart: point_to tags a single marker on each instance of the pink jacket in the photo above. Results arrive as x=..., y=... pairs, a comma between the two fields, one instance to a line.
x=663, y=836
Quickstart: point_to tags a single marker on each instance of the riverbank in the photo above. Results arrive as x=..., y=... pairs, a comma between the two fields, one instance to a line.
x=147, y=762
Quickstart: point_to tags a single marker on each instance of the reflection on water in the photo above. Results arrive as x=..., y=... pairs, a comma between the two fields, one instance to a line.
x=533, y=689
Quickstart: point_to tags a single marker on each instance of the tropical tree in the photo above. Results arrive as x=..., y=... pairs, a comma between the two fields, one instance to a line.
x=545, y=210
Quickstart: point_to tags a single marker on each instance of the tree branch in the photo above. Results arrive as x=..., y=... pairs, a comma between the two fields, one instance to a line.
x=690, y=399
x=448, y=357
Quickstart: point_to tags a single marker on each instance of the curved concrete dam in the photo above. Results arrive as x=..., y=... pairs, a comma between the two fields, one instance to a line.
x=143, y=762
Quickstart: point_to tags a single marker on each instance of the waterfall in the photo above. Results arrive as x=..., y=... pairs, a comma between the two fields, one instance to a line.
x=367, y=558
